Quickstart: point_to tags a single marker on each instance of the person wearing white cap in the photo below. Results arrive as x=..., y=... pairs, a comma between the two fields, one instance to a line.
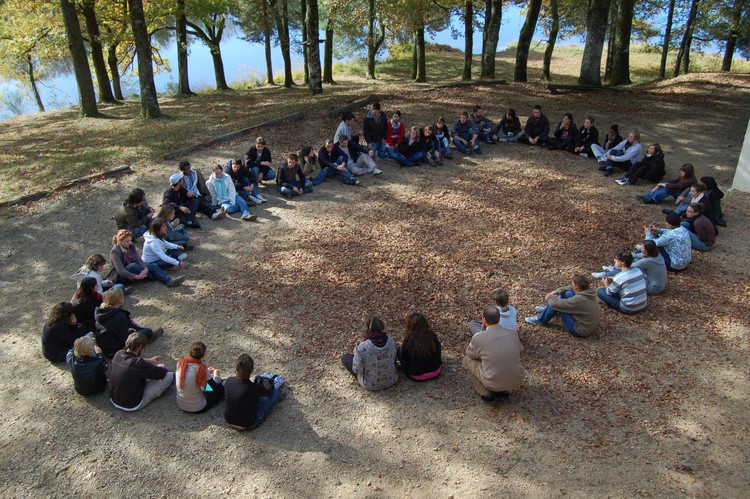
x=185, y=203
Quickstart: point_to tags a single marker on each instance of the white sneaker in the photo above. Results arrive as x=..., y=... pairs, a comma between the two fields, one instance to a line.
x=261, y=198
x=181, y=257
x=377, y=171
x=218, y=214
x=583, y=155
x=608, y=268
x=254, y=199
x=598, y=275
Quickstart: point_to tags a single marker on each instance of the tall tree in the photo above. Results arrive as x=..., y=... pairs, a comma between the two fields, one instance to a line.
x=81, y=69
x=667, y=36
x=596, y=29
x=524, y=40
x=620, y=74
x=374, y=40
x=492, y=21
x=305, y=46
x=207, y=20
x=421, y=49
x=328, y=52
x=88, y=10
x=280, y=12
x=468, y=39
x=183, y=87
x=554, y=29
x=149, y=101
x=316, y=82
x=683, y=54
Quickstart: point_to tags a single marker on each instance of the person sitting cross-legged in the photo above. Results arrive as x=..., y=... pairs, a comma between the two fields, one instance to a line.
x=419, y=354
x=588, y=137
x=225, y=196
x=134, y=215
x=565, y=135
x=199, y=387
x=536, y=130
x=248, y=403
x=88, y=367
x=493, y=358
x=576, y=306
x=290, y=180
x=701, y=229
x=648, y=259
x=508, y=313
x=373, y=362
x=673, y=242
x=625, y=292
x=465, y=136
x=331, y=157
x=509, y=129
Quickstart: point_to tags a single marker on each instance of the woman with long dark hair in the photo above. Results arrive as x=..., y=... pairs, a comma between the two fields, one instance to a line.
x=419, y=354
x=84, y=301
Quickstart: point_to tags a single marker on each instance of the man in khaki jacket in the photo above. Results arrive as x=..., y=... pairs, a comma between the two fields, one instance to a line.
x=493, y=358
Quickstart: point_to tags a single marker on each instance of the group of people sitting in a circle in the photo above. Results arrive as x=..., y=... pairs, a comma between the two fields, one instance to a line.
x=93, y=326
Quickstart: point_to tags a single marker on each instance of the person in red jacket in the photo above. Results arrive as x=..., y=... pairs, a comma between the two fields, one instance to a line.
x=396, y=130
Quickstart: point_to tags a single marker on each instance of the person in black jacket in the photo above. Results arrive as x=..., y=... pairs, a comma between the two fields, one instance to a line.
x=588, y=135
x=610, y=140
x=419, y=354
x=411, y=149
x=650, y=168
x=376, y=130
x=88, y=367
x=509, y=129
x=259, y=164
x=565, y=135
x=185, y=205
x=247, y=404
x=84, y=301
x=290, y=180
x=536, y=130
x=241, y=179
x=60, y=332
x=114, y=325
x=714, y=195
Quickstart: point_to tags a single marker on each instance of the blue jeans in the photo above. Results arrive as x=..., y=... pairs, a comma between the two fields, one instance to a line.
x=286, y=190
x=137, y=231
x=133, y=268
x=613, y=301
x=546, y=315
x=504, y=137
x=264, y=405
x=697, y=243
x=346, y=173
x=269, y=175
x=321, y=176
x=460, y=145
x=380, y=148
x=238, y=205
x=610, y=163
x=155, y=272
x=394, y=154
x=660, y=195
x=445, y=146
x=486, y=136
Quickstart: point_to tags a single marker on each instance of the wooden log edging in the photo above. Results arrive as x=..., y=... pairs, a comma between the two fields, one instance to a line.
x=234, y=135
x=470, y=83
x=36, y=196
x=338, y=112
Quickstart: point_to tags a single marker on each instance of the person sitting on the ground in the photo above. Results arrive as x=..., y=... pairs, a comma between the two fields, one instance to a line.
x=715, y=196
x=508, y=313
x=443, y=135
x=650, y=168
x=575, y=304
x=536, y=131
x=431, y=146
x=673, y=242
x=420, y=353
x=612, y=139
x=88, y=367
x=588, y=136
x=135, y=381
x=60, y=332
x=92, y=267
x=334, y=159
x=565, y=135
x=311, y=169
x=624, y=155
x=114, y=325
x=674, y=188
x=465, y=136
x=134, y=214
x=396, y=130
x=241, y=179
x=374, y=359
x=225, y=196
x=345, y=128
x=411, y=150
x=648, y=259
x=625, y=292
x=196, y=391
x=357, y=162
x=160, y=253
x=701, y=229
x=376, y=131
x=291, y=181
x=258, y=161
x=84, y=301
x=509, y=129
x=493, y=358
x=247, y=404
x=176, y=232
x=696, y=194
x=482, y=125
x=127, y=265
x=185, y=203
x=195, y=183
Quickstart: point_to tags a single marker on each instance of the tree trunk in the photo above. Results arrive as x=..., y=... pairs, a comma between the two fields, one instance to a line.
x=149, y=100
x=596, y=29
x=97, y=53
x=667, y=36
x=611, y=39
x=316, y=82
x=373, y=43
x=328, y=54
x=726, y=63
x=490, y=38
x=421, y=75
x=414, y=55
x=524, y=40
x=282, y=31
x=553, y=30
x=183, y=87
x=468, y=39
x=487, y=20
x=621, y=49
x=686, y=38
x=305, y=48
x=219, y=76
x=114, y=70
x=32, y=83
x=86, y=95
x=267, y=42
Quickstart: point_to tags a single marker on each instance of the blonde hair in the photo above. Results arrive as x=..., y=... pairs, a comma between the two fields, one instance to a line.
x=84, y=347
x=113, y=298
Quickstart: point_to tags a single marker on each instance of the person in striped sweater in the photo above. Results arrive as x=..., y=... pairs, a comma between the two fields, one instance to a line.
x=625, y=292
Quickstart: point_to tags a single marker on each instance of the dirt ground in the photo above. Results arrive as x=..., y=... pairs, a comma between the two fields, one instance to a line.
x=656, y=406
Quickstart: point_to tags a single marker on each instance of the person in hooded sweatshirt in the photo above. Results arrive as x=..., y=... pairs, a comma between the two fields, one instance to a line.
x=134, y=215
x=114, y=325
x=651, y=168
x=508, y=313
x=157, y=250
x=374, y=359
x=576, y=306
